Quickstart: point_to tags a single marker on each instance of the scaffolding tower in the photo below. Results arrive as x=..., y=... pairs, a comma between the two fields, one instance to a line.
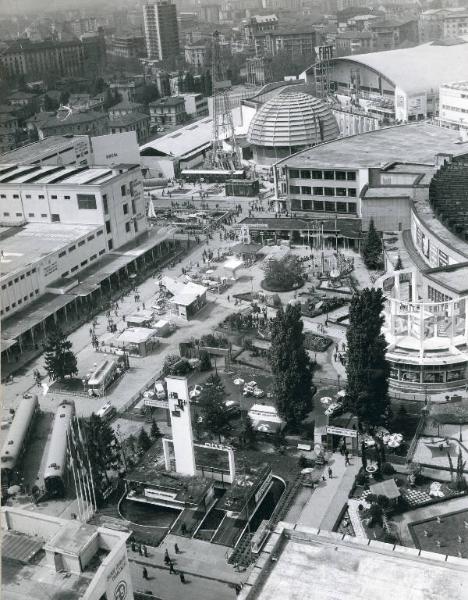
x=223, y=125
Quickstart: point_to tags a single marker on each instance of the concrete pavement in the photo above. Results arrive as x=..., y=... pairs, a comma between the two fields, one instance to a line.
x=322, y=506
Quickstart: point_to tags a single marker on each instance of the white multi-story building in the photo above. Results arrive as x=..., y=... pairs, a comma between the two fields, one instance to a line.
x=50, y=557
x=453, y=105
x=65, y=218
x=195, y=105
x=112, y=197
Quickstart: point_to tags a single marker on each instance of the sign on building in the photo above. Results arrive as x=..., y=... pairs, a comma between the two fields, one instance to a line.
x=341, y=431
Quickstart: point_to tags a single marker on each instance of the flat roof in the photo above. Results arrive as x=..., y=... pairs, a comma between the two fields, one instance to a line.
x=331, y=566
x=453, y=277
x=456, y=85
x=136, y=335
x=26, y=245
x=414, y=143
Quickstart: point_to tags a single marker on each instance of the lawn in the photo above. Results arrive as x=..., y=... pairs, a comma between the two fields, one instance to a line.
x=446, y=533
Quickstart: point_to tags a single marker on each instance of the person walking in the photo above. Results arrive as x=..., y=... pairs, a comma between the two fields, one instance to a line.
x=167, y=558
x=145, y=551
x=171, y=567
x=182, y=577
x=176, y=548
x=347, y=461
x=330, y=473
x=145, y=573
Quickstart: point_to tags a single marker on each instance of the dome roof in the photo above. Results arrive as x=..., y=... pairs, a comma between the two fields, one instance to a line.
x=293, y=119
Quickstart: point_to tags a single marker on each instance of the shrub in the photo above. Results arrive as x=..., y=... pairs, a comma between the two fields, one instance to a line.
x=205, y=361
x=388, y=469
x=361, y=478
x=302, y=462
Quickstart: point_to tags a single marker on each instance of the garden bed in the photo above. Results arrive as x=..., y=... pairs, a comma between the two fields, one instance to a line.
x=271, y=287
x=428, y=533
x=315, y=342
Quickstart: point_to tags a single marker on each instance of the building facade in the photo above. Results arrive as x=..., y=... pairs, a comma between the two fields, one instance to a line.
x=168, y=111
x=126, y=46
x=161, y=30
x=453, y=105
x=196, y=105
x=36, y=59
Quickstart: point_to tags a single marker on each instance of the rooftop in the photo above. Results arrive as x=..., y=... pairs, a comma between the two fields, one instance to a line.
x=75, y=117
x=406, y=68
x=417, y=143
x=183, y=141
x=128, y=119
x=41, y=149
x=12, y=174
x=336, y=566
x=136, y=335
x=452, y=277
x=24, y=246
x=171, y=101
x=456, y=85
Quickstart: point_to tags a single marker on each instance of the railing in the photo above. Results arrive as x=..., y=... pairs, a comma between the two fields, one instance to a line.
x=412, y=448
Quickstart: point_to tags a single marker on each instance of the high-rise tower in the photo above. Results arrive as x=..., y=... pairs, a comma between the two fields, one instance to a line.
x=161, y=29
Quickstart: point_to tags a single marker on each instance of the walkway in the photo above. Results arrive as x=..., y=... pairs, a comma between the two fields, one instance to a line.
x=325, y=504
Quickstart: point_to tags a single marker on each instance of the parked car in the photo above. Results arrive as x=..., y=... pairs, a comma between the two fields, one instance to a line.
x=258, y=393
x=159, y=390
x=232, y=408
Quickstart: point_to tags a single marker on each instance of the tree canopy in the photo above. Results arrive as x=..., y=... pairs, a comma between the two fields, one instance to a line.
x=283, y=274
x=60, y=361
x=372, y=248
x=212, y=406
x=366, y=367
x=290, y=365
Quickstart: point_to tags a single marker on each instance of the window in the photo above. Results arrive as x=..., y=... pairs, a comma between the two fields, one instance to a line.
x=72, y=248
x=133, y=207
x=65, y=274
x=43, y=216
x=135, y=224
x=318, y=205
x=82, y=243
x=55, y=218
x=104, y=204
x=108, y=226
x=295, y=204
x=294, y=189
x=41, y=196
x=93, y=257
x=305, y=174
x=125, y=209
x=127, y=227
x=25, y=298
x=67, y=197
x=306, y=190
x=54, y=197
x=19, y=214
x=85, y=262
x=293, y=173
x=74, y=268
x=2, y=195
x=90, y=238
x=22, y=276
x=31, y=294
x=340, y=175
x=100, y=232
x=10, y=283
x=28, y=196
x=341, y=192
x=307, y=205
x=317, y=175
x=351, y=176
x=329, y=174
x=123, y=190
x=110, y=244
x=30, y=214
x=86, y=201
x=36, y=291
x=341, y=207
x=16, y=196
x=16, y=279
x=351, y=207
x=6, y=214
x=352, y=192
x=329, y=206
x=318, y=191
x=101, y=252
x=329, y=191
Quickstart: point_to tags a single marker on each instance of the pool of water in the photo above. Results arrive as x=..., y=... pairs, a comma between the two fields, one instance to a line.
x=147, y=515
x=268, y=504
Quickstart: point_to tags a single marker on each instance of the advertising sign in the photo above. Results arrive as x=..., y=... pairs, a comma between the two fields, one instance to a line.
x=115, y=149
x=341, y=431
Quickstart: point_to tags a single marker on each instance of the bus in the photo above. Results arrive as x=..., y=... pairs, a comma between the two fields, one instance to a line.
x=105, y=374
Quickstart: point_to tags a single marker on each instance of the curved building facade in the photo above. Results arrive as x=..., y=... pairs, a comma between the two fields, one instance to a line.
x=288, y=123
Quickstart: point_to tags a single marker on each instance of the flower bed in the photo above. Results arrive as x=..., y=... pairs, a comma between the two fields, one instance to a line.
x=315, y=342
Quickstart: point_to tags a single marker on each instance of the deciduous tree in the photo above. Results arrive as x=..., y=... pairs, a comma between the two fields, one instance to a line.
x=290, y=365
x=213, y=410
x=366, y=367
x=372, y=248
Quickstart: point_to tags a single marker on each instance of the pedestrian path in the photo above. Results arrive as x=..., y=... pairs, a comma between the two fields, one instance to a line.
x=327, y=501
x=195, y=557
